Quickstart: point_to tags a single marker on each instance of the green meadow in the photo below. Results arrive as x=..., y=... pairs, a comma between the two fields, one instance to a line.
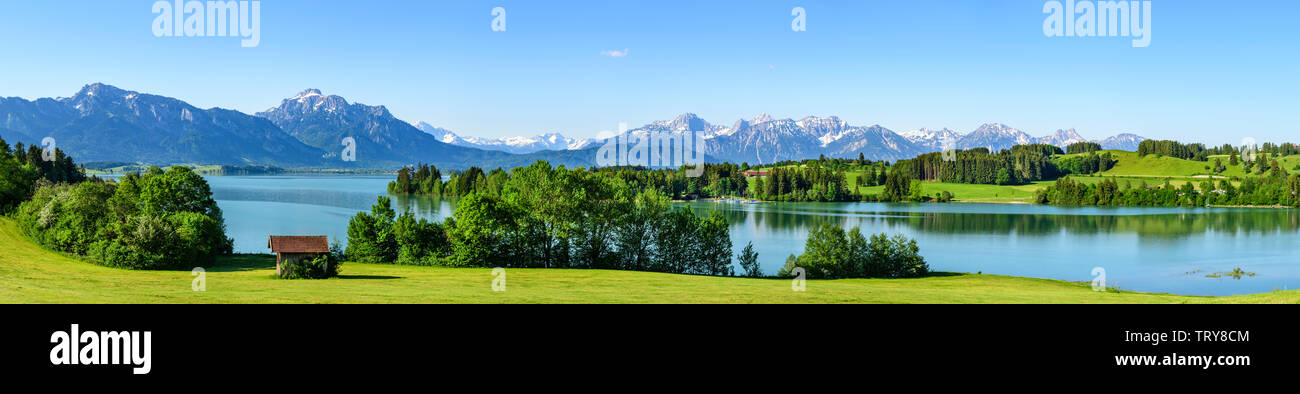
x=30, y=274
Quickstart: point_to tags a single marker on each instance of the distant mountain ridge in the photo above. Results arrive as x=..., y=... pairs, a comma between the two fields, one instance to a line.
x=324, y=121
x=998, y=136
x=764, y=139
x=104, y=123
x=516, y=145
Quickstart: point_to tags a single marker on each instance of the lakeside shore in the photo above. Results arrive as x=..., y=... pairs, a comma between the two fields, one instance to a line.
x=37, y=275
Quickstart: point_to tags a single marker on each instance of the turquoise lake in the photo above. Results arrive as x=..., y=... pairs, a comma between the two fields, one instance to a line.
x=1142, y=249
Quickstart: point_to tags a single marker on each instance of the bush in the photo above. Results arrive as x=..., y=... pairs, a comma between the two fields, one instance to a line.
x=945, y=196
x=175, y=225
x=371, y=237
x=831, y=252
x=749, y=261
x=896, y=257
x=324, y=266
x=420, y=242
x=142, y=242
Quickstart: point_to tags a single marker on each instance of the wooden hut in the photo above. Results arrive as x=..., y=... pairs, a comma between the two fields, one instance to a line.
x=290, y=249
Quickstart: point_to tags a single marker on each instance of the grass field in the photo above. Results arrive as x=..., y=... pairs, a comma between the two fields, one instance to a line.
x=1130, y=164
x=30, y=274
x=966, y=192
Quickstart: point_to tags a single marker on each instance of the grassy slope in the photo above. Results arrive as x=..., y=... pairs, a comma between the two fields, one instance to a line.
x=1130, y=164
x=963, y=192
x=976, y=193
x=29, y=274
x=1130, y=167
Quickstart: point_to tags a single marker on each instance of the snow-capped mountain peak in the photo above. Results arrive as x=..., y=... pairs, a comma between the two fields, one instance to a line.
x=312, y=100
x=827, y=130
x=765, y=139
x=994, y=136
x=444, y=135
x=517, y=144
x=932, y=139
x=306, y=94
x=684, y=122
x=1124, y=141
x=1062, y=138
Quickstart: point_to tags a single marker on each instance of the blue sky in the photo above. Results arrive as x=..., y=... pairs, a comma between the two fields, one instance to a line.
x=1215, y=71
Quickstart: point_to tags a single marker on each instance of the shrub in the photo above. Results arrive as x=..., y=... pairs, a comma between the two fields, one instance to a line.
x=142, y=242
x=749, y=261
x=420, y=242
x=156, y=221
x=831, y=252
x=371, y=237
x=896, y=257
x=324, y=266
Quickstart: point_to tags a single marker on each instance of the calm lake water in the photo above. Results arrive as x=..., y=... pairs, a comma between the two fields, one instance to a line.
x=1143, y=249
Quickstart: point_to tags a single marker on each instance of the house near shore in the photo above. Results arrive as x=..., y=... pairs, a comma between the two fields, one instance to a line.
x=292, y=249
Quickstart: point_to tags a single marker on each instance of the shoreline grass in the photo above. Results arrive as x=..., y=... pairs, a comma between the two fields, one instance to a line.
x=31, y=274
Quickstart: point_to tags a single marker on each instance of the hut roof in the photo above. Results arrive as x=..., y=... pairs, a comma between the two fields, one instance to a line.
x=298, y=244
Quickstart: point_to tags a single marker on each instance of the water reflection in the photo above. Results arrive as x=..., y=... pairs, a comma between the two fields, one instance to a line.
x=1144, y=249
x=976, y=219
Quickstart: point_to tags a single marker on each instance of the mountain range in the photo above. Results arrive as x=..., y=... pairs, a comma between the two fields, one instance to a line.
x=102, y=123
x=517, y=145
x=764, y=139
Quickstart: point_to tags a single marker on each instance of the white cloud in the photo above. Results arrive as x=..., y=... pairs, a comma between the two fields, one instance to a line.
x=615, y=53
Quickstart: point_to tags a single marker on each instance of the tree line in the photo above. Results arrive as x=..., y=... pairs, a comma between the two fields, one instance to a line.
x=550, y=217
x=1082, y=147
x=830, y=252
x=1085, y=164
x=21, y=167
x=807, y=183
x=1017, y=166
x=717, y=180
x=1253, y=191
x=1194, y=152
